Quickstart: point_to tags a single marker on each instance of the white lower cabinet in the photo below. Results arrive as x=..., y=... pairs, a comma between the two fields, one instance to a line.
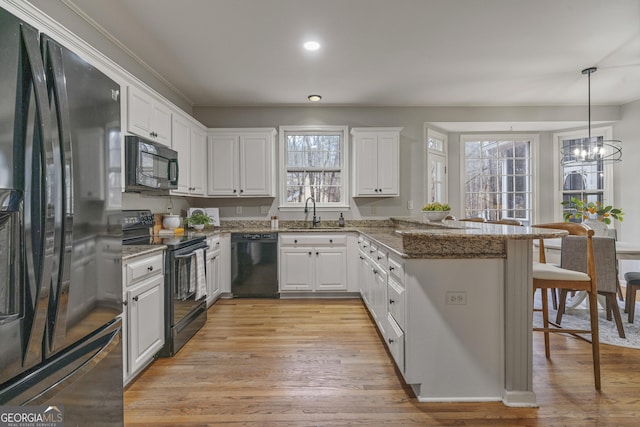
x=313, y=262
x=213, y=269
x=143, y=317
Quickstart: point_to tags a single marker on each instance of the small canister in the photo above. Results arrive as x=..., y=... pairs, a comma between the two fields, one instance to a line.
x=274, y=222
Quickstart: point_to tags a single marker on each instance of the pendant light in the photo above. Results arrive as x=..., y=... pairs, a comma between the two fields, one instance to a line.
x=591, y=150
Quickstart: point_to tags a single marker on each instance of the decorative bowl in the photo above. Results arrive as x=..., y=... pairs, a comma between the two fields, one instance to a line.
x=170, y=221
x=435, y=215
x=198, y=227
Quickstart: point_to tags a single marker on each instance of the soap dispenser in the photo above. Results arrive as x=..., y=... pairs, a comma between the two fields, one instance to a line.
x=341, y=221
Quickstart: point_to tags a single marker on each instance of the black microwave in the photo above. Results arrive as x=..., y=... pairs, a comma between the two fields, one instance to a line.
x=149, y=166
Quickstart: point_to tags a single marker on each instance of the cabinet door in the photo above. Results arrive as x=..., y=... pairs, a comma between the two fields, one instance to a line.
x=146, y=321
x=197, y=153
x=380, y=295
x=180, y=142
x=388, y=164
x=296, y=269
x=223, y=165
x=213, y=277
x=330, y=269
x=366, y=173
x=255, y=165
x=161, y=123
x=139, y=112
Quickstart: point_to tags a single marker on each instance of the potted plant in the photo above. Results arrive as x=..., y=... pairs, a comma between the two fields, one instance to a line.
x=595, y=215
x=198, y=220
x=435, y=211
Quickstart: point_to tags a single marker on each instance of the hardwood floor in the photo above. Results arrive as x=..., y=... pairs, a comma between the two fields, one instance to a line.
x=322, y=363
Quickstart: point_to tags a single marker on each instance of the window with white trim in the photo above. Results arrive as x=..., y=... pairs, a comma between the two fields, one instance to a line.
x=313, y=164
x=591, y=181
x=497, y=176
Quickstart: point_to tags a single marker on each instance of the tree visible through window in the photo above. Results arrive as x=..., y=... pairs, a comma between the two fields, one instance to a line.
x=497, y=178
x=314, y=166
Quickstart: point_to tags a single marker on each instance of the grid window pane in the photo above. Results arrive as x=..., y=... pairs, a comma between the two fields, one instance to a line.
x=314, y=164
x=498, y=179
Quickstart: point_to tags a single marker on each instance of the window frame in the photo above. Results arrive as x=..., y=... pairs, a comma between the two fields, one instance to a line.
x=606, y=132
x=428, y=134
x=533, y=166
x=283, y=130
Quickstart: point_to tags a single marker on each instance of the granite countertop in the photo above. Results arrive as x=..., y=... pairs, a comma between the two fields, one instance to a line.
x=409, y=237
x=133, y=251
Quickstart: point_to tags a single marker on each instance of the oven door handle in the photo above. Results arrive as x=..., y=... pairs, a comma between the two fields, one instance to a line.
x=191, y=254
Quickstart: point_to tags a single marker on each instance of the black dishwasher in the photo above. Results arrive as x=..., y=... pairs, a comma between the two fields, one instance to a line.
x=254, y=265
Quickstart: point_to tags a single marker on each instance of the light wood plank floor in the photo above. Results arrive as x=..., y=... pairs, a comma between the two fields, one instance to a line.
x=322, y=363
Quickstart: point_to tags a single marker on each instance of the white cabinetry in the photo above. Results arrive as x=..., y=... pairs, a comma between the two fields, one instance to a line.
x=189, y=140
x=313, y=262
x=213, y=269
x=376, y=162
x=382, y=288
x=241, y=162
x=144, y=313
x=148, y=116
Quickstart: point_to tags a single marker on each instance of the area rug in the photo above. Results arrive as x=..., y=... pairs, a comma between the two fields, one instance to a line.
x=578, y=318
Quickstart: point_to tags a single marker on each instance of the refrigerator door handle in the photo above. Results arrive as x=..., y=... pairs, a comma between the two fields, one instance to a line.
x=58, y=303
x=39, y=191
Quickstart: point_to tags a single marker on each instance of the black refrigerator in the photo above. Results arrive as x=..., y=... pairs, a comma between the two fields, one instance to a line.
x=60, y=232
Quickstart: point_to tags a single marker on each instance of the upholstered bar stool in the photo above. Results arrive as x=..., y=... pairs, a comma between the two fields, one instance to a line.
x=633, y=283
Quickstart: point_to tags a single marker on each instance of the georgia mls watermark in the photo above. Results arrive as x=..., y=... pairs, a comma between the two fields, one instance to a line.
x=31, y=416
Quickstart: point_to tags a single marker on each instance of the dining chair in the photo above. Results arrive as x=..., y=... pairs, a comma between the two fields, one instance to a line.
x=633, y=283
x=604, y=255
x=548, y=276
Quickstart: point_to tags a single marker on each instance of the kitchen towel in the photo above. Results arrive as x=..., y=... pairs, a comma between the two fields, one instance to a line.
x=200, y=277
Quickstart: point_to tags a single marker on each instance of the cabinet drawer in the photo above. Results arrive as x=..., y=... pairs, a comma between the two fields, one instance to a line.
x=396, y=269
x=144, y=267
x=313, y=239
x=396, y=304
x=380, y=256
x=214, y=245
x=395, y=341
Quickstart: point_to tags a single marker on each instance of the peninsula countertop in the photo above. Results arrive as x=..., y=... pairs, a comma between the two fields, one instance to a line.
x=408, y=237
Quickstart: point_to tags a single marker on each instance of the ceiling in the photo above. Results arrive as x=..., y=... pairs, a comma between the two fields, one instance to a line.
x=381, y=52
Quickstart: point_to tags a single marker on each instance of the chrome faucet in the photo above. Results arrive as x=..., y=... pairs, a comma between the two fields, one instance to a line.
x=316, y=220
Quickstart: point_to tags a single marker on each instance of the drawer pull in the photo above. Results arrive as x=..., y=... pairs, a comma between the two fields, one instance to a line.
x=391, y=341
x=135, y=298
x=295, y=241
x=150, y=268
x=330, y=240
x=391, y=301
x=372, y=251
x=379, y=257
x=317, y=253
x=391, y=268
x=310, y=253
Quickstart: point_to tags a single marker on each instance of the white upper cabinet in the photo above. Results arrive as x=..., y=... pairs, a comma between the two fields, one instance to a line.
x=241, y=162
x=148, y=117
x=376, y=162
x=189, y=140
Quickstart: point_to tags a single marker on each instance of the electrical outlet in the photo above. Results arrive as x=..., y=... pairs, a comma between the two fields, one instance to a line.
x=456, y=298
x=410, y=204
x=238, y=210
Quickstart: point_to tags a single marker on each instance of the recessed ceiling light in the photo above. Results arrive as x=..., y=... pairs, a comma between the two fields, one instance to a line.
x=314, y=98
x=311, y=45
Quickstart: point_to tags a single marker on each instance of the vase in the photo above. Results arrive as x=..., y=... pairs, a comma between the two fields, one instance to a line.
x=599, y=228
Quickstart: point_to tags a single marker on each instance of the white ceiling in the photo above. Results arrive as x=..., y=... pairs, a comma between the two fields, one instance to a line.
x=382, y=52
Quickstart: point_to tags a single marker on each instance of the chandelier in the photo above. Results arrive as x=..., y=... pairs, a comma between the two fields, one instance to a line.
x=593, y=149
